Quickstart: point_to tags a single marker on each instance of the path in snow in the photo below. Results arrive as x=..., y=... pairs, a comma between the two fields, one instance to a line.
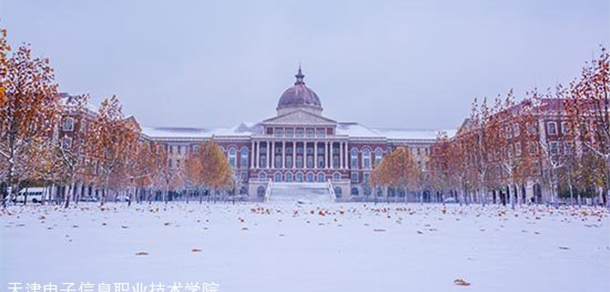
x=331, y=247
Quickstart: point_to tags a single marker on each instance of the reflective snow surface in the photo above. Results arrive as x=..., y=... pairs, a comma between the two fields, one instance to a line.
x=306, y=247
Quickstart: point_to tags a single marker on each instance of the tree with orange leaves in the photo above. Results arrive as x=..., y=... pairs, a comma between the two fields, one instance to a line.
x=28, y=112
x=216, y=171
x=398, y=170
x=109, y=141
x=588, y=106
x=4, y=49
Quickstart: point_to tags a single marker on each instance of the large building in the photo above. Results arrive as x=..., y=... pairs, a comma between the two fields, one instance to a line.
x=299, y=145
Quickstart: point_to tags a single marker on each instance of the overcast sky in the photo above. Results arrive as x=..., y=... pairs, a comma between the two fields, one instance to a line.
x=392, y=64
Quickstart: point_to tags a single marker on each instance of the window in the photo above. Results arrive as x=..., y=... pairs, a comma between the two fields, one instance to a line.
x=289, y=161
x=299, y=133
x=69, y=124
x=279, y=132
x=354, y=158
x=321, y=177
x=232, y=155
x=171, y=149
x=336, y=176
x=321, y=133
x=310, y=132
x=366, y=177
x=243, y=160
x=518, y=148
x=552, y=128
x=554, y=147
x=533, y=147
x=354, y=191
x=310, y=177
x=277, y=177
x=278, y=161
x=338, y=192
x=565, y=128
x=177, y=162
x=67, y=143
x=260, y=192
x=299, y=161
x=263, y=161
x=299, y=177
x=289, y=133
x=354, y=177
x=516, y=130
x=366, y=158
x=83, y=125
x=262, y=175
x=321, y=161
x=309, y=161
x=288, y=177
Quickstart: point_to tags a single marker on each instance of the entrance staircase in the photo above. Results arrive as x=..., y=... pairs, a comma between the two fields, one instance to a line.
x=299, y=192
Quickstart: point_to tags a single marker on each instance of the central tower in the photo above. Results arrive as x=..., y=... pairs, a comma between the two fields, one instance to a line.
x=299, y=97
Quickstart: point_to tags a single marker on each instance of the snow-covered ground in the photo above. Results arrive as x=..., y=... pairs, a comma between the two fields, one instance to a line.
x=334, y=247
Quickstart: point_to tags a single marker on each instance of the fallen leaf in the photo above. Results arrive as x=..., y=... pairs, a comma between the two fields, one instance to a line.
x=196, y=250
x=141, y=253
x=461, y=282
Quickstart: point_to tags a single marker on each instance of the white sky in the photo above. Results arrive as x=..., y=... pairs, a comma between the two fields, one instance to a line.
x=396, y=64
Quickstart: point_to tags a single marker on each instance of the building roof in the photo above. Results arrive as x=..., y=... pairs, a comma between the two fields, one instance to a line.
x=299, y=95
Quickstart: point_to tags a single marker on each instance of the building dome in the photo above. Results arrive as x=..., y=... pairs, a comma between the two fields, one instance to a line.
x=299, y=96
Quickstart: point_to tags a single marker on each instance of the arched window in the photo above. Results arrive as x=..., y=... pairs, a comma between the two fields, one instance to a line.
x=336, y=176
x=232, y=156
x=354, y=191
x=391, y=192
x=366, y=158
x=277, y=177
x=338, y=192
x=262, y=175
x=243, y=159
x=321, y=177
x=354, y=158
x=309, y=177
x=288, y=177
x=243, y=191
x=378, y=156
x=299, y=177
x=260, y=192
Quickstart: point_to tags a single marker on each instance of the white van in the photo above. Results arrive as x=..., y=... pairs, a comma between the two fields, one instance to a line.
x=34, y=195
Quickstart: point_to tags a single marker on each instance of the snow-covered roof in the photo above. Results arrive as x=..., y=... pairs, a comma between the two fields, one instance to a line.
x=412, y=134
x=350, y=129
x=359, y=130
x=242, y=129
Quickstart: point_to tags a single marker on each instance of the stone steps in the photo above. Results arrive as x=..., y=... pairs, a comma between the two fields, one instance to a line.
x=299, y=192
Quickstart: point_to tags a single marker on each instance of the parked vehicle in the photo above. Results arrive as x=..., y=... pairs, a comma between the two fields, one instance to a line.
x=122, y=198
x=450, y=200
x=88, y=199
x=33, y=195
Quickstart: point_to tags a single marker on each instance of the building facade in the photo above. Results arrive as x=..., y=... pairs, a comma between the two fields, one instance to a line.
x=299, y=145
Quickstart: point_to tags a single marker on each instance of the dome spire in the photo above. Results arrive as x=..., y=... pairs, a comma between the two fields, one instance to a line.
x=299, y=76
